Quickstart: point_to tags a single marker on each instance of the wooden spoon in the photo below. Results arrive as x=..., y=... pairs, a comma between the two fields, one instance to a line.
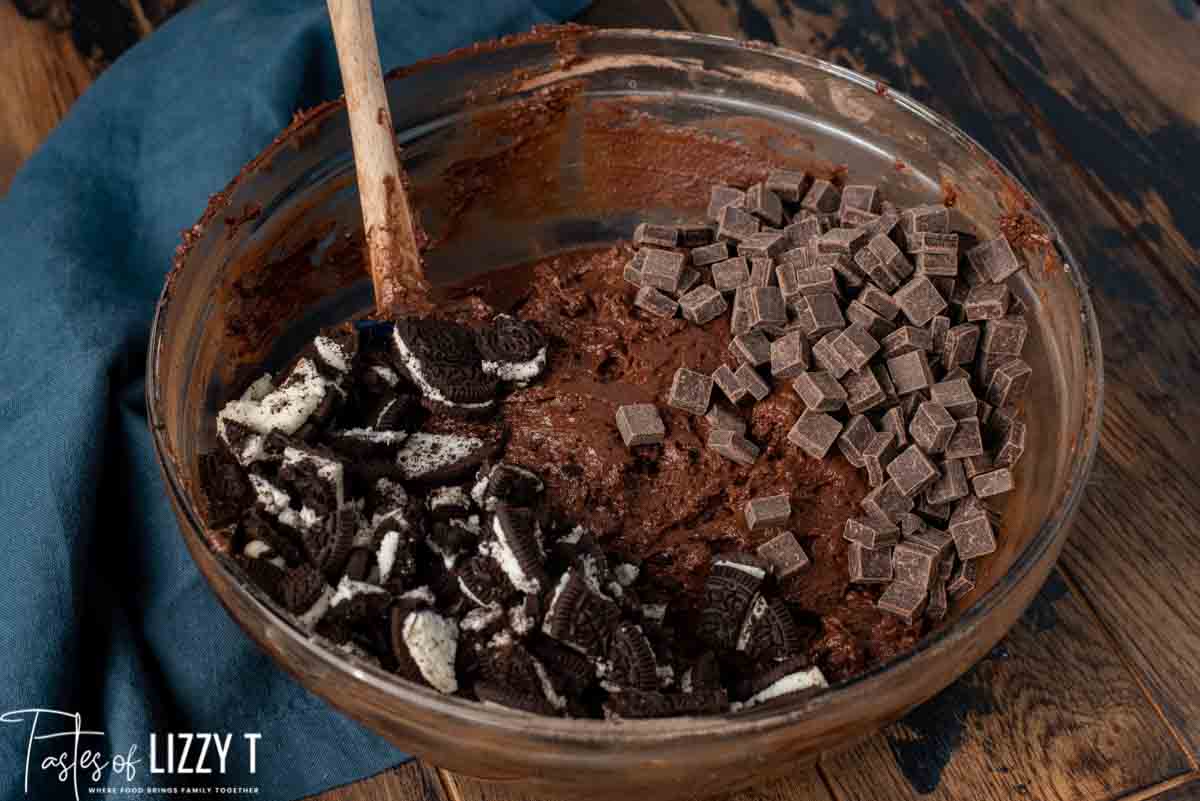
x=391, y=231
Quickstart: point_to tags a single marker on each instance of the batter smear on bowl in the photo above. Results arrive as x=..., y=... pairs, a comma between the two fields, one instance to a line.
x=731, y=461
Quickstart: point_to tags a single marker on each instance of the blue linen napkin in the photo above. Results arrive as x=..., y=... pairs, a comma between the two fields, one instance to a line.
x=101, y=610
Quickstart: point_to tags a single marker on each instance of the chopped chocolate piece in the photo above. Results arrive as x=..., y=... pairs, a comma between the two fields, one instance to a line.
x=912, y=471
x=856, y=346
x=762, y=272
x=911, y=524
x=731, y=274
x=871, y=532
x=728, y=383
x=874, y=268
x=695, y=236
x=845, y=241
x=893, y=421
x=1009, y=383
x=736, y=224
x=879, y=302
x=986, y=302
x=933, y=217
x=788, y=276
x=967, y=440
x=722, y=196
x=814, y=433
x=932, y=242
x=767, y=307
x=650, y=300
x=919, y=300
x=784, y=555
x=910, y=372
x=634, y=666
x=906, y=339
x=578, y=616
x=974, y=465
x=973, y=536
x=803, y=232
x=875, y=324
x=895, y=264
x=955, y=396
x=861, y=197
x=740, y=321
x=728, y=592
x=733, y=446
x=863, y=391
x=963, y=581
x=821, y=315
x=663, y=236
x=890, y=398
x=815, y=281
x=751, y=348
x=690, y=391
x=710, y=254
x=752, y=382
x=1012, y=446
x=1005, y=336
x=986, y=365
x=640, y=424
x=938, y=327
x=934, y=513
x=789, y=185
x=952, y=485
x=869, y=566
x=702, y=305
x=826, y=356
x=768, y=511
x=855, y=438
x=904, y=600
x=662, y=269
x=938, y=601
x=822, y=197
x=763, y=245
x=932, y=427
x=995, y=482
x=878, y=454
x=887, y=501
x=688, y=279
x=914, y=565
x=852, y=276
x=959, y=344
x=936, y=265
x=820, y=391
x=933, y=540
x=856, y=218
x=994, y=259
x=722, y=418
x=764, y=204
x=789, y=355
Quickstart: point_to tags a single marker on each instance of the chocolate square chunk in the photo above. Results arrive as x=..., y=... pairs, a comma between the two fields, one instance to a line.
x=633, y=269
x=814, y=433
x=974, y=465
x=904, y=601
x=935, y=513
x=767, y=307
x=959, y=344
x=650, y=300
x=950, y=487
x=721, y=417
x=822, y=197
x=932, y=242
x=801, y=258
x=739, y=319
x=938, y=327
x=973, y=536
x=967, y=440
x=986, y=365
x=895, y=263
x=663, y=236
x=694, y=236
x=939, y=601
x=726, y=381
x=788, y=185
x=1002, y=418
x=662, y=269
x=710, y=254
x=1005, y=336
x=933, y=217
x=877, y=455
x=963, y=581
x=869, y=566
x=731, y=274
x=955, y=396
x=1009, y=383
x=816, y=280
x=767, y=511
x=736, y=224
x=893, y=421
x=875, y=324
x=826, y=356
x=784, y=554
x=906, y=339
x=873, y=268
x=803, y=232
x=789, y=355
x=763, y=245
x=879, y=302
x=995, y=482
x=764, y=204
x=945, y=287
x=1012, y=446
x=955, y=374
x=862, y=197
x=856, y=218
x=936, y=265
x=863, y=391
x=751, y=348
x=856, y=346
x=994, y=259
x=986, y=302
x=911, y=524
x=762, y=272
x=936, y=541
x=722, y=196
x=855, y=438
x=919, y=300
x=912, y=471
x=885, y=223
x=733, y=446
x=640, y=424
x=821, y=315
x=914, y=565
x=846, y=241
x=844, y=266
x=690, y=391
x=871, y=532
x=752, y=382
x=887, y=501
x=788, y=276
x=820, y=391
x=890, y=398
x=909, y=404
x=702, y=305
x=910, y=372
x=688, y=279
x=932, y=427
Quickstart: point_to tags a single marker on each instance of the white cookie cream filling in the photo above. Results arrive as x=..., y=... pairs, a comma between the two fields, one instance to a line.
x=432, y=642
x=348, y=588
x=286, y=408
x=317, y=611
x=332, y=354
x=654, y=612
x=626, y=574
x=517, y=371
x=757, y=609
x=421, y=593
x=373, y=437
x=273, y=500
x=448, y=496
x=793, y=682
x=750, y=570
x=548, y=691
x=386, y=556
x=387, y=374
x=480, y=618
x=425, y=453
x=519, y=620
x=261, y=388
x=501, y=550
x=413, y=365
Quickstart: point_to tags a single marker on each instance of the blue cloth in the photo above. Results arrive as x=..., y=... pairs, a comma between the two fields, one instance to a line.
x=101, y=611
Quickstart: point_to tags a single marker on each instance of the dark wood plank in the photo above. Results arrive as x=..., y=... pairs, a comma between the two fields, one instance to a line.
x=411, y=781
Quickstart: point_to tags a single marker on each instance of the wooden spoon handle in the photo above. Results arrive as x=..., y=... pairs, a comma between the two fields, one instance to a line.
x=391, y=231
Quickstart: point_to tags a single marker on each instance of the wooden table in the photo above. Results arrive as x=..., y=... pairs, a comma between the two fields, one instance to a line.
x=1095, y=104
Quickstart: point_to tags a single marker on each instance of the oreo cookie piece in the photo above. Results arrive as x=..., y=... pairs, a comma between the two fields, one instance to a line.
x=511, y=350
x=397, y=412
x=286, y=407
x=395, y=556
x=441, y=457
x=354, y=605
x=425, y=645
x=506, y=483
x=441, y=359
x=447, y=502
x=631, y=660
x=730, y=588
x=704, y=675
x=769, y=632
x=328, y=548
x=366, y=444
x=336, y=348
x=483, y=582
x=243, y=444
x=226, y=492
x=517, y=548
x=256, y=527
x=631, y=704
x=575, y=672
x=523, y=700
x=360, y=563
x=317, y=477
x=265, y=574
x=788, y=678
x=525, y=616
x=300, y=588
x=451, y=539
x=578, y=616
x=700, y=702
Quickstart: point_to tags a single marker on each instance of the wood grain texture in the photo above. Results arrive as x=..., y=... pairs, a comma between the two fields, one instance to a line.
x=1184, y=792
x=411, y=781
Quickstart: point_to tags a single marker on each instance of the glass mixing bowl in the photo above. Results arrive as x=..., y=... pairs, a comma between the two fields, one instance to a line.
x=561, y=139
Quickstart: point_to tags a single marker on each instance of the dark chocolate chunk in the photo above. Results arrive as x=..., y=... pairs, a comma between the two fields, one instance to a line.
x=1012, y=445
x=912, y=471
x=710, y=254
x=733, y=446
x=1009, y=383
x=932, y=427
x=844, y=241
x=861, y=197
x=951, y=486
x=959, y=344
x=906, y=601
x=869, y=566
x=789, y=355
x=874, y=268
x=906, y=339
x=893, y=422
x=762, y=272
x=820, y=315
x=963, y=581
x=855, y=438
x=640, y=424
x=994, y=482
x=973, y=536
x=650, y=300
x=633, y=269
x=955, y=396
x=856, y=346
x=763, y=245
x=690, y=391
x=731, y=274
x=933, y=218
x=663, y=236
x=662, y=269
x=764, y=204
x=874, y=323
x=846, y=267
x=751, y=348
x=872, y=533
x=932, y=242
x=826, y=357
x=822, y=197
x=919, y=300
x=966, y=441
x=736, y=224
x=878, y=454
x=820, y=391
x=722, y=196
x=752, y=382
x=938, y=600
x=803, y=233
x=994, y=259
x=723, y=418
x=726, y=381
x=863, y=391
x=936, y=265
x=788, y=185
x=814, y=433
x=887, y=502
x=910, y=372
x=740, y=320
x=767, y=511
x=895, y=265
x=986, y=302
x=767, y=307
x=879, y=302
x=784, y=555
x=702, y=305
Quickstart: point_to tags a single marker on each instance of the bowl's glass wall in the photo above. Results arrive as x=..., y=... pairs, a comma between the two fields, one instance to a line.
x=594, y=161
